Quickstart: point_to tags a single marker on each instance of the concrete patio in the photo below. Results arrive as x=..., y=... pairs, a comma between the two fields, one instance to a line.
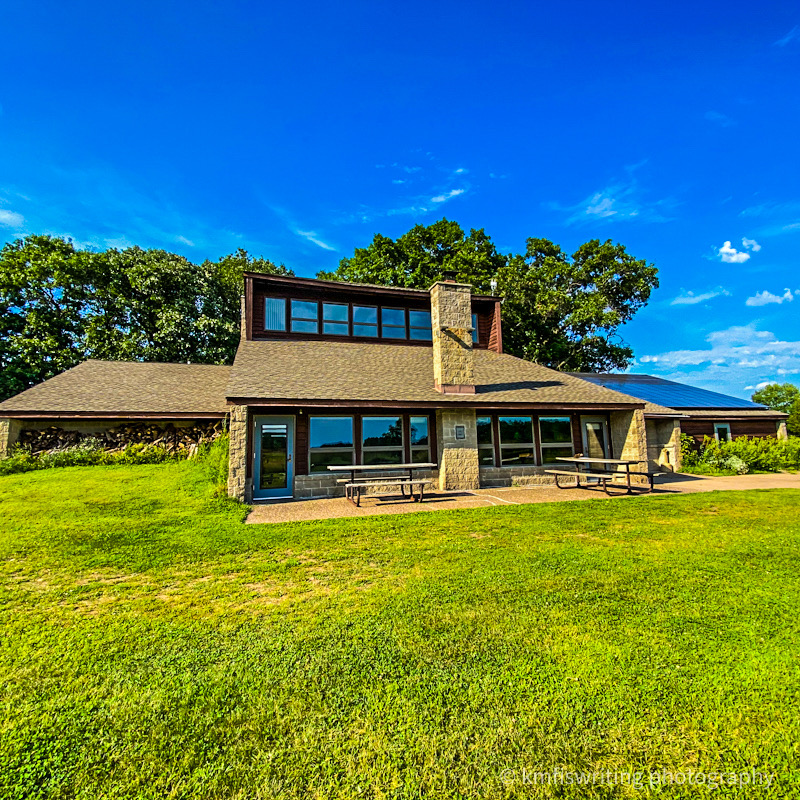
x=339, y=507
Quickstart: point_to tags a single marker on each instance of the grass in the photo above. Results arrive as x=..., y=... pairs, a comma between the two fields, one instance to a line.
x=154, y=646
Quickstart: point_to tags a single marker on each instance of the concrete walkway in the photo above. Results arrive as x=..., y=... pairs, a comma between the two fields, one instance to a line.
x=305, y=510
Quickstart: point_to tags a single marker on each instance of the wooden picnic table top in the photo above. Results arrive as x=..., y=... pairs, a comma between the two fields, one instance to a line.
x=586, y=460
x=378, y=467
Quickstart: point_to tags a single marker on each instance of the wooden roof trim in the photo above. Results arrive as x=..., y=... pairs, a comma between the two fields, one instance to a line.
x=470, y=403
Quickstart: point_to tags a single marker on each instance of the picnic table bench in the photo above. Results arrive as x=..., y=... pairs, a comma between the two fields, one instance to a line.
x=354, y=486
x=595, y=472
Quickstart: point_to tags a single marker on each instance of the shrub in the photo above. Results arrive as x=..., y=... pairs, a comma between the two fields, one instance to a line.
x=88, y=453
x=742, y=455
x=212, y=458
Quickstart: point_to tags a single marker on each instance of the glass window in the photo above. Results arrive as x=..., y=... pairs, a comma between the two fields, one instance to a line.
x=334, y=319
x=393, y=323
x=485, y=442
x=722, y=431
x=274, y=314
x=475, y=329
x=556, y=435
x=304, y=316
x=382, y=440
x=419, y=325
x=365, y=321
x=420, y=443
x=330, y=442
x=516, y=442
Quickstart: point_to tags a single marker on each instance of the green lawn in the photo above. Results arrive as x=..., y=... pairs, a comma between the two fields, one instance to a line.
x=154, y=646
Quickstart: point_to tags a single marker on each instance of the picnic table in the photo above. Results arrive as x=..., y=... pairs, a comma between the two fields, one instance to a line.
x=599, y=471
x=356, y=484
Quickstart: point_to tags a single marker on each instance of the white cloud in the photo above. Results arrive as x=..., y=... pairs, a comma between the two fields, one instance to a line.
x=691, y=299
x=314, y=239
x=398, y=181
x=10, y=219
x=461, y=171
x=722, y=119
x=730, y=255
x=794, y=34
x=765, y=298
x=751, y=244
x=184, y=240
x=443, y=198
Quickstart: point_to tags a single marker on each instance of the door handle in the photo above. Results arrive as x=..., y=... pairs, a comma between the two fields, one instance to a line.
x=288, y=458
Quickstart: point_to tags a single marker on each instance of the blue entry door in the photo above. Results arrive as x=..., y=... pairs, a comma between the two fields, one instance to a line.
x=273, y=475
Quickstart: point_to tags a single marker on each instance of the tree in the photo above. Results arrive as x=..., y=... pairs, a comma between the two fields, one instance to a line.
x=778, y=396
x=60, y=305
x=562, y=311
x=423, y=256
x=793, y=422
x=565, y=311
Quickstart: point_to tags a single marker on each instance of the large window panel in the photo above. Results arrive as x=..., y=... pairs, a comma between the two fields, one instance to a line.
x=393, y=323
x=556, y=438
x=382, y=440
x=305, y=316
x=330, y=441
x=420, y=441
x=274, y=314
x=517, y=448
x=335, y=319
x=419, y=325
x=485, y=441
x=365, y=321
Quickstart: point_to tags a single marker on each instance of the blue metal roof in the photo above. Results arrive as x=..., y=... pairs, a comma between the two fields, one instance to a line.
x=665, y=393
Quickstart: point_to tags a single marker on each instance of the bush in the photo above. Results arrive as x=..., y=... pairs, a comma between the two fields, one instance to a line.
x=742, y=455
x=212, y=458
x=88, y=453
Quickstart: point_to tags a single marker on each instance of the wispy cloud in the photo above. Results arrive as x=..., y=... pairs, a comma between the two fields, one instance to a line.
x=751, y=244
x=766, y=298
x=443, y=198
x=461, y=171
x=399, y=181
x=621, y=200
x=692, y=299
x=735, y=357
x=721, y=119
x=11, y=219
x=792, y=36
x=312, y=237
x=730, y=255
x=776, y=218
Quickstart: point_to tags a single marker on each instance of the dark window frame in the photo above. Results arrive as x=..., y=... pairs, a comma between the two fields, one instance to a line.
x=506, y=445
x=311, y=450
x=543, y=446
x=315, y=319
x=404, y=337
x=401, y=418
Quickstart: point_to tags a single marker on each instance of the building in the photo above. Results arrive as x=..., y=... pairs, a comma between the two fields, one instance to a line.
x=331, y=373
x=703, y=412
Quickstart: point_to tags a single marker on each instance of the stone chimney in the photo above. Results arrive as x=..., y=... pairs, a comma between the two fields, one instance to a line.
x=243, y=319
x=451, y=319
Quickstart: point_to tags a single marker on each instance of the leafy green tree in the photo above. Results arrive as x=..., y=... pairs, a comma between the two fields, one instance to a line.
x=793, y=422
x=45, y=295
x=778, y=396
x=423, y=256
x=60, y=305
x=564, y=311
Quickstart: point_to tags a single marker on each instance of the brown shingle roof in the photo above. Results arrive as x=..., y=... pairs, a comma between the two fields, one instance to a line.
x=733, y=413
x=363, y=372
x=126, y=387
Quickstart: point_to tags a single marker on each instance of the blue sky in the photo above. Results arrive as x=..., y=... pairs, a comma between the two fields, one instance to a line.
x=297, y=131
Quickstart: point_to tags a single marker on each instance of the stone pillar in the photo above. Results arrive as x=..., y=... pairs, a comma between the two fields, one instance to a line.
x=783, y=433
x=451, y=321
x=10, y=430
x=243, y=319
x=629, y=437
x=238, y=485
x=458, y=458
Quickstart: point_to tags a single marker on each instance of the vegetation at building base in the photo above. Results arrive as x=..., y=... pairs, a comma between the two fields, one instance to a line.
x=739, y=456
x=213, y=456
x=154, y=646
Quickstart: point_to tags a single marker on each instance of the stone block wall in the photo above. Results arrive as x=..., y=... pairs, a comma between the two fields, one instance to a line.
x=629, y=437
x=10, y=430
x=458, y=458
x=664, y=444
x=497, y=477
x=451, y=308
x=239, y=487
x=324, y=484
